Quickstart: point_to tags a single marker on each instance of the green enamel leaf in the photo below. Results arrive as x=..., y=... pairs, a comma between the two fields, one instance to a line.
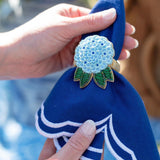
x=85, y=79
x=100, y=80
x=108, y=74
x=78, y=74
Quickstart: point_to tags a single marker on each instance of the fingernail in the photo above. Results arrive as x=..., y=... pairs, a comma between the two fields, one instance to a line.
x=128, y=54
x=134, y=29
x=136, y=43
x=109, y=14
x=88, y=128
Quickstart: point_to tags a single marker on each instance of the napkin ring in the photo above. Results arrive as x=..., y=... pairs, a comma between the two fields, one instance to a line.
x=94, y=59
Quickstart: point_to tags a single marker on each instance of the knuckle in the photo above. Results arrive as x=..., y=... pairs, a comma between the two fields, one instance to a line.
x=91, y=20
x=94, y=19
x=78, y=144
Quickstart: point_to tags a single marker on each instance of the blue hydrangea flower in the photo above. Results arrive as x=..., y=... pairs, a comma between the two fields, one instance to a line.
x=94, y=54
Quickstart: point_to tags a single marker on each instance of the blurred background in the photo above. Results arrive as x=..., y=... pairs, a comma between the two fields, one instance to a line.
x=20, y=99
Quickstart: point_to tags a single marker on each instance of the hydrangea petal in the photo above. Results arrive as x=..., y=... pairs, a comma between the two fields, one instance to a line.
x=94, y=54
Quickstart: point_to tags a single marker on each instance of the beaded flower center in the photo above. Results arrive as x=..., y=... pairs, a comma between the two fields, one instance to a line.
x=94, y=54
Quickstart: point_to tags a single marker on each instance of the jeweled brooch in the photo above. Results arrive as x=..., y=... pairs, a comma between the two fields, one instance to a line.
x=94, y=59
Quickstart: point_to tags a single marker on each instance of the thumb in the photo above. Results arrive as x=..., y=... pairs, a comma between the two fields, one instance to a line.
x=78, y=143
x=92, y=22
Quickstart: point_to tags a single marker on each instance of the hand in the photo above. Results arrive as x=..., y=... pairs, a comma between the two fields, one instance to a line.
x=46, y=43
x=75, y=147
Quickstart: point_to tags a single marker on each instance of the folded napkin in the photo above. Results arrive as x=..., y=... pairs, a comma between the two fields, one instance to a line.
x=112, y=103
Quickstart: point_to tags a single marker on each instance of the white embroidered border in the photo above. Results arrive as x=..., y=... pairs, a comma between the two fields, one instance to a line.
x=60, y=134
x=62, y=124
x=51, y=135
x=110, y=147
x=119, y=143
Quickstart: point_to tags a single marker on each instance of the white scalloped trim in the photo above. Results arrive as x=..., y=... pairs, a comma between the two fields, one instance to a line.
x=105, y=128
x=50, y=135
x=59, y=134
x=119, y=143
x=62, y=124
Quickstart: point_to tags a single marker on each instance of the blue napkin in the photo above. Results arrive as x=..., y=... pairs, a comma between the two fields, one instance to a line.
x=118, y=110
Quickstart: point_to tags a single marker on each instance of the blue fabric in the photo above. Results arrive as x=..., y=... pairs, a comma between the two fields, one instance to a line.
x=118, y=110
x=119, y=99
x=115, y=33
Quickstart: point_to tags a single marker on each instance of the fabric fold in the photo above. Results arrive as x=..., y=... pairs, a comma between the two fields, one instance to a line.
x=118, y=111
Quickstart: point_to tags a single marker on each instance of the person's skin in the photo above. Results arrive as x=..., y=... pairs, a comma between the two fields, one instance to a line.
x=46, y=43
x=75, y=147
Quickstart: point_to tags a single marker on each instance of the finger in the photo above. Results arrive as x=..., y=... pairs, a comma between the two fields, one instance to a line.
x=72, y=10
x=124, y=54
x=67, y=53
x=48, y=150
x=130, y=43
x=78, y=143
x=91, y=23
x=130, y=29
x=76, y=11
